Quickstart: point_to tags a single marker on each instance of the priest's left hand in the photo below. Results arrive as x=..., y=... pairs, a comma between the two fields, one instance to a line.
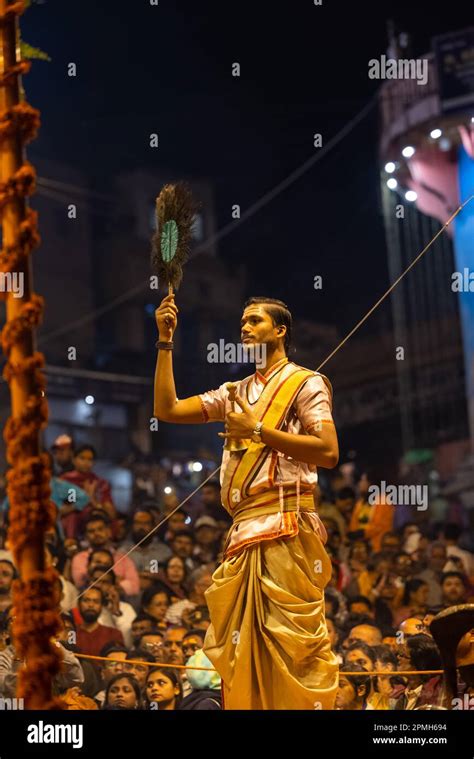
x=239, y=426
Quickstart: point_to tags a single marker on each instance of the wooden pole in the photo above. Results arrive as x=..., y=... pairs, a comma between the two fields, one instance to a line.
x=31, y=513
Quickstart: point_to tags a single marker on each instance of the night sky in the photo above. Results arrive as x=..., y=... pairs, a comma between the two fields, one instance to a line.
x=167, y=69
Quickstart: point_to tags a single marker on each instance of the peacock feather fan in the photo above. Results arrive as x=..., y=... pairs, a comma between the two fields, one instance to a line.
x=175, y=214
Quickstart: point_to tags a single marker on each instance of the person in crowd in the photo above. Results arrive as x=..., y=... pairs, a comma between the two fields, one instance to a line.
x=68, y=590
x=98, y=535
x=173, y=644
x=414, y=601
x=372, y=516
x=418, y=653
x=152, y=642
x=367, y=633
x=62, y=452
x=156, y=603
x=453, y=589
x=192, y=641
x=211, y=505
x=115, y=655
x=360, y=653
x=139, y=671
x=8, y=573
x=115, y=613
x=97, y=488
x=199, y=582
x=183, y=544
x=390, y=544
x=123, y=692
x=206, y=685
x=163, y=689
x=71, y=673
x=140, y=625
x=173, y=576
x=451, y=533
x=433, y=573
x=383, y=685
x=353, y=692
x=91, y=636
x=149, y=552
x=207, y=533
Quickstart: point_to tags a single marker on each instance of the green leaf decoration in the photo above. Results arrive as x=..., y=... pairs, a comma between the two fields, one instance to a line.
x=169, y=240
x=30, y=53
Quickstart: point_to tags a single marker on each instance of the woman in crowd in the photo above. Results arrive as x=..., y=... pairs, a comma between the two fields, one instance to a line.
x=173, y=576
x=123, y=692
x=156, y=602
x=163, y=689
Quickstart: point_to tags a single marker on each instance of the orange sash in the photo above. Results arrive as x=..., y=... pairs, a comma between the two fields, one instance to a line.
x=271, y=408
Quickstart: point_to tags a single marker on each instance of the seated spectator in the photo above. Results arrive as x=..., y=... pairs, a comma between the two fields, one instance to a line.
x=90, y=635
x=173, y=644
x=68, y=590
x=140, y=625
x=453, y=589
x=70, y=675
x=333, y=633
x=367, y=633
x=149, y=552
x=163, y=689
x=98, y=535
x=403, y=566
x=345, y=499
x=432, y=575
x=152, y=642
x=206, y=686
x=390, y=544
x=207, y=534
x=62, y=452
x=386, y=660
x=98, y=489
x=211, y=505
x=199, y=618
x=361, y=605
x=182, y=544
x=361, y=654
x=139, y=671
x=173, y=576
x=452, y=533
x=115, y=613
x=193, y=641
x=123, y=692
x=412, y=626
x=372, y=517
x=353, y=692
x=200, y=581
x=418, y=652
x=414, y=601
x=156, y=603
x=121, y=528
x=109, y=669
x=8, y=573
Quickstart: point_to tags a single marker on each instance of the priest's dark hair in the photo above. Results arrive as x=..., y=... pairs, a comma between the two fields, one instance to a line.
x=279, y=312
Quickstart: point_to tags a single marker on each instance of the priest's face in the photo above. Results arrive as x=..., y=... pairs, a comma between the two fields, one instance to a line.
x=257, y=327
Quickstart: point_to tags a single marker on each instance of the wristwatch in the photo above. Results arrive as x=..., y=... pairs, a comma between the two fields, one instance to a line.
x=257, y=433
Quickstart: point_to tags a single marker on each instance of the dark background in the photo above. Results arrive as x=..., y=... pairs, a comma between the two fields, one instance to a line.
x=167, y=69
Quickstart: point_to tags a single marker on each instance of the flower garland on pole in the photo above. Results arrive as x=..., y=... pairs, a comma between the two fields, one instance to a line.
x=36, y=618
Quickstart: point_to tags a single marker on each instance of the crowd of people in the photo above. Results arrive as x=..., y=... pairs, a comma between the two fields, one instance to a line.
x=131, y=590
